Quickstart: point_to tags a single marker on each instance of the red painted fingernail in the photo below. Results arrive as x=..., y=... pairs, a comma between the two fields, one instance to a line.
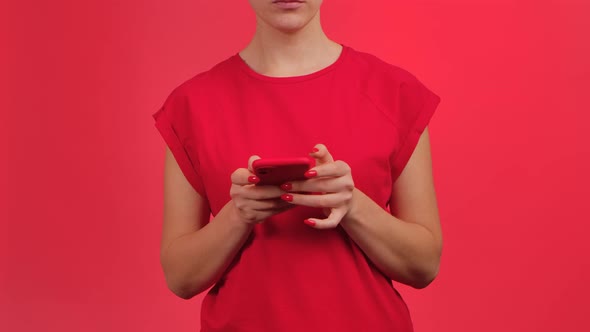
x=314, y=150
x=253, y=179
x=286, y=186
x=309, y=222
x=310, y=174
x=287, y=197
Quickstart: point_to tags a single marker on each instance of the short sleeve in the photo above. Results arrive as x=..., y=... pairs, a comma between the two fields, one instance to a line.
x=417, y=104
x=172, y=121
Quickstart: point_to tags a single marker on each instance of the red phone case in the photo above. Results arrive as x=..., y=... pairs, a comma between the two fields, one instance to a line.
x=276, y=171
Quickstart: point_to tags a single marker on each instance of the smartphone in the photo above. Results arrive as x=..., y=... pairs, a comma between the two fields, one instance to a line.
x=276, y=171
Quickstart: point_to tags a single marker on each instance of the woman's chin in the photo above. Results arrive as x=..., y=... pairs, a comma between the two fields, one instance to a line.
x=289, y=25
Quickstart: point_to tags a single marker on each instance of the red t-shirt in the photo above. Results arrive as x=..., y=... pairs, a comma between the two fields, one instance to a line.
x=289, y=276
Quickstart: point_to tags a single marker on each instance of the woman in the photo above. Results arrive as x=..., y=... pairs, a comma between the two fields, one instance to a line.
x=279, y=259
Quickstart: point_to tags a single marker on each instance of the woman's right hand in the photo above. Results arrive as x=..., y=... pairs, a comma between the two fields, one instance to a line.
x=255, y=203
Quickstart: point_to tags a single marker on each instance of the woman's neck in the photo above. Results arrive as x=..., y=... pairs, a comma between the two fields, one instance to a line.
x=277, y=53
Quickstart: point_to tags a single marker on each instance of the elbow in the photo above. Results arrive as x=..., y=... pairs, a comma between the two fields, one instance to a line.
x=424, y=276
x=179, y=283
x=182, y=292
x=417, y=277
x=423, y=279
x=425, y=273
x=183, y=289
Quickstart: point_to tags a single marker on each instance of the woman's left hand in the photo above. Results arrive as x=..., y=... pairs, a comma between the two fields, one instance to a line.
x=333, y=179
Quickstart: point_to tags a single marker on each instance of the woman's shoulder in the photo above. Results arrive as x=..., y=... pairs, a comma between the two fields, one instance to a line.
x=376, y=66
x=202, y=82
x=381, y=80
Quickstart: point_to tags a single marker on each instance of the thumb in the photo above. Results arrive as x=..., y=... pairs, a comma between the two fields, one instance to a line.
x=251, y=160
x=321, y=154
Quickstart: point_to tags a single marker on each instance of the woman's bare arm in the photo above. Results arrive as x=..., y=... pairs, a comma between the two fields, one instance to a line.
x=195, y=253
x=406, y=244
x=192, y=255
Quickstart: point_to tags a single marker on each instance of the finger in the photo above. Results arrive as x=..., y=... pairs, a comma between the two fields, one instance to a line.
x=330, y=222
x=254, y=192
x=276, y=204
x=261, y=192
x=334, y=169
x=262, y=205
x=243, y=176
x=251, y=160
x=321, y=154
x=279, y=209
x=323, y=200
x=322, y=185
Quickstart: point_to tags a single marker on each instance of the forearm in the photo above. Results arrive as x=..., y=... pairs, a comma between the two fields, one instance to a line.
x=406, y=252
x=194, y=262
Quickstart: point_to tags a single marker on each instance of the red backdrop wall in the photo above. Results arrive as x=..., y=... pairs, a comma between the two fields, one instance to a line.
x=82, y=163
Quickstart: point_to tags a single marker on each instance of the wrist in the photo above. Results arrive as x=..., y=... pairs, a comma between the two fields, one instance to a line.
x=355, y=207
x=236, y=218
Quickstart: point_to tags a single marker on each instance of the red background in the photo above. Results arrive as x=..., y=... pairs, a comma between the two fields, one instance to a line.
x=82, y=162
